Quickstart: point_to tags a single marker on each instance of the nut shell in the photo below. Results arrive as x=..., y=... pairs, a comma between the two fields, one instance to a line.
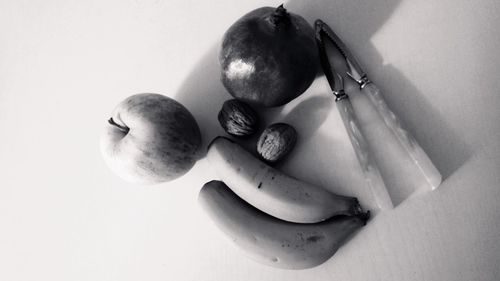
x=276, y=141
x=238, y=118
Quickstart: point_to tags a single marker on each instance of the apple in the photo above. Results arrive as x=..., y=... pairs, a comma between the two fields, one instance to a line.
x=150, y=138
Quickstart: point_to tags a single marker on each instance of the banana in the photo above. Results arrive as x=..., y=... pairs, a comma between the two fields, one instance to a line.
x=272, y=191
x=271, y=241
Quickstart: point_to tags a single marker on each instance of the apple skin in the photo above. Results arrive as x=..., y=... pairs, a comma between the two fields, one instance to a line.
x=150, y=138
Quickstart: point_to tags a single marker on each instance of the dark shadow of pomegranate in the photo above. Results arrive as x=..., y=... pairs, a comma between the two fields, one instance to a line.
x=203, y=94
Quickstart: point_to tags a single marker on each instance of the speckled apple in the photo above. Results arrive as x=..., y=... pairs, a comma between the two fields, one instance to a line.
x=150, y=138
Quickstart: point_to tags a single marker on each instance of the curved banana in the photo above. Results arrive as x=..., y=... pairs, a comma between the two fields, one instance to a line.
x=271, y=241
x=272, y=191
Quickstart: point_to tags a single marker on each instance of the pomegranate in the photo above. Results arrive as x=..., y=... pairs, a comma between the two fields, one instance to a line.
x=268, y=57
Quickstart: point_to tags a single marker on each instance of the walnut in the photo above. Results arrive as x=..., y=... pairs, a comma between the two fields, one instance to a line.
x=238, y=118
x=276, y=141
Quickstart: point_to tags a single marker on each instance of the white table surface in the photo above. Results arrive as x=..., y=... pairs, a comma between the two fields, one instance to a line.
x=64, y=65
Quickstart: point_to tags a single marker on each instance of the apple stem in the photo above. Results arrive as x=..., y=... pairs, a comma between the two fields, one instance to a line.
x=122, y=128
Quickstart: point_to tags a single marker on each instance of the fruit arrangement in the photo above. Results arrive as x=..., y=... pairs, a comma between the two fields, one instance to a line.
x=268, y=58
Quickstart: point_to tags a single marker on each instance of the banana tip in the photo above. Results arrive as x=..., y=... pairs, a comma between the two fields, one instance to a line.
x=364, y=217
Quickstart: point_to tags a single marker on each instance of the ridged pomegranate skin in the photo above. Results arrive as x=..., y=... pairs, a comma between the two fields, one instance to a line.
x=268, y=62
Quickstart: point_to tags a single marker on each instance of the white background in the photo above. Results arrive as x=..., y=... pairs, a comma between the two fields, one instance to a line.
x=64, y=65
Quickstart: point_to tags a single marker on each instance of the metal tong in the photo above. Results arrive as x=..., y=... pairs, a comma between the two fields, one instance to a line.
x=365, y=158
x=423, y=165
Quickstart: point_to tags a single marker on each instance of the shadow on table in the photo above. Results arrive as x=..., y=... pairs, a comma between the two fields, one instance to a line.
x=356, y=22
x=203, y=94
